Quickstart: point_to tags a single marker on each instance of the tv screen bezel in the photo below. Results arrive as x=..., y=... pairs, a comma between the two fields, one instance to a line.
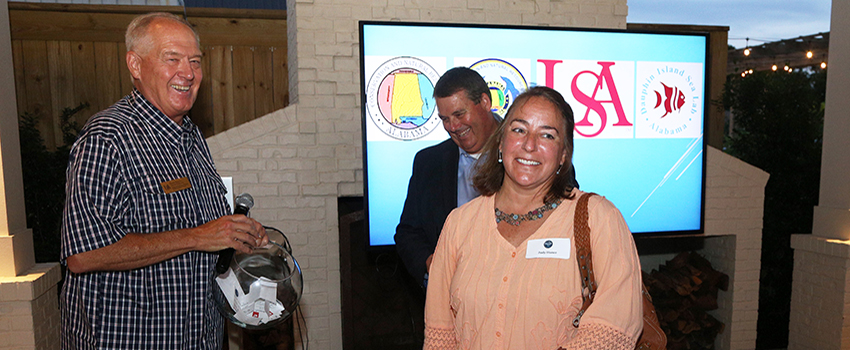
x=705, y=107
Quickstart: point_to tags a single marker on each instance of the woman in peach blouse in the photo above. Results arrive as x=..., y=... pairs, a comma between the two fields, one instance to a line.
x=510, y=281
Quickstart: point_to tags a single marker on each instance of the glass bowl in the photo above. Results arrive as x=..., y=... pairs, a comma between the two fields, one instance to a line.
x=261, y=289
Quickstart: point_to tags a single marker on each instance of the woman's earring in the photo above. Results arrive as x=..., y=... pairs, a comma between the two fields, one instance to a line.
x=500, y=156
x=559, y=169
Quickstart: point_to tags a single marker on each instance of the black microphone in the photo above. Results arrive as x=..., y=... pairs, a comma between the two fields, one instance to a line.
x=243, y=203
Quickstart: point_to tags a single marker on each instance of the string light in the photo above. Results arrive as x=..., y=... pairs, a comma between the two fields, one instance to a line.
x=809, y=53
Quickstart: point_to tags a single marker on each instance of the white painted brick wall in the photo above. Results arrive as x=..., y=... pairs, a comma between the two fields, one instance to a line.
x=734, y=205
x=29, y=309
x=820, y=294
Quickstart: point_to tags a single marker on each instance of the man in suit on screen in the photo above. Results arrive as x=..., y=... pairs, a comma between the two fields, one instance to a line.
x=442, y=174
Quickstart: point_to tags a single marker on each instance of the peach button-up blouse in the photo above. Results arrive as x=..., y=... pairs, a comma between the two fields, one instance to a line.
x=485, y=294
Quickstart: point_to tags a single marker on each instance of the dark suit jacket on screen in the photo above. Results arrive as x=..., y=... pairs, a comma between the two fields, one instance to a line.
x=431, y=196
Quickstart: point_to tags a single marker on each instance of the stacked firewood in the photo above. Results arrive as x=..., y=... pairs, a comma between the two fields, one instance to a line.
x=683, y=290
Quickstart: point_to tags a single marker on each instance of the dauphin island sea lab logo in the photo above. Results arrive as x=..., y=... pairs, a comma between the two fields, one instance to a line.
x=504, y=80
x=399, y=98
x=670, y=103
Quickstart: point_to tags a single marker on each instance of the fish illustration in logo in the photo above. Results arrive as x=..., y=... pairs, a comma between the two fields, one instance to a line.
x=673, y=99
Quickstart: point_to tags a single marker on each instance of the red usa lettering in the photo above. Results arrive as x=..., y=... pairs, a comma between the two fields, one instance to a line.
x=604, y=77
x=604, y=80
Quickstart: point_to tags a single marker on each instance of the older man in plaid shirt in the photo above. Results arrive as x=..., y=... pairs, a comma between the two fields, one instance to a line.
x=146, y=210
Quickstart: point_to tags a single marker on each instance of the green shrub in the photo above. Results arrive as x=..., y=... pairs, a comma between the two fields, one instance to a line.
x=44, y=181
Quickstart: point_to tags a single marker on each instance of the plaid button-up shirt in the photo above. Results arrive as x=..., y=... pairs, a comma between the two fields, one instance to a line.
x=117, y=167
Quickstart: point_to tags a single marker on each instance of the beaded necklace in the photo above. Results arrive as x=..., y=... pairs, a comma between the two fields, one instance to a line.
x=516, y=219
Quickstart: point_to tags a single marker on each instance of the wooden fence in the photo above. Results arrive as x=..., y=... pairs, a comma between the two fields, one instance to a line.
x=66, y=54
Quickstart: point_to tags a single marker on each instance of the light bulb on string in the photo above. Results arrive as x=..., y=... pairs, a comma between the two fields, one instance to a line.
x=809, y=54
x=823, y=65
x=773, y=68
x=747, y=51
x=743, y=74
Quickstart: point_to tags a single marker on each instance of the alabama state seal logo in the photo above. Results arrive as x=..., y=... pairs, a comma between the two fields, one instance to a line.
x=399, y=98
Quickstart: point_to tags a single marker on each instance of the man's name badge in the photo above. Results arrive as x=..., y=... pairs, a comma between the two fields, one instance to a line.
x=553, y=248
x=175, y=185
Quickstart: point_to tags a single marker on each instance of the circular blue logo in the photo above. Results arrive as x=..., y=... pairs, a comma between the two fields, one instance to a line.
x=547, y=244
x=504, y=80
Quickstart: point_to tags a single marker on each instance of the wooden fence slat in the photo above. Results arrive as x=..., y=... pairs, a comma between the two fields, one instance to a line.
x=263, y=81
x=243, y=81
x=107, y=73
x=123, y=71
x=67, y=54
x=201, y=112
x=85, y=79
x=70, y=26
x=20, y=80
x=36, y=76
x=281, y=77
x=61, y=82
x=221, y=78
x=82, y=26
x=242, y=31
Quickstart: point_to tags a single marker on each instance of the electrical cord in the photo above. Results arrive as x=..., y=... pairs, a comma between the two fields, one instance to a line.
x=298, y=315
x=302, y=335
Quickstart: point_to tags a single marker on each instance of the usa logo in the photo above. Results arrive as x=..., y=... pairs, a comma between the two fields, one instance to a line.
x=399, y=98
x=504, y=80
x=670, y=100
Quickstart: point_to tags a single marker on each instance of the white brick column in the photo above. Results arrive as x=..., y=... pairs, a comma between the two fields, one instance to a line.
x=29, y=312
x=820, y=294
x=734, y=211
x=297, y=161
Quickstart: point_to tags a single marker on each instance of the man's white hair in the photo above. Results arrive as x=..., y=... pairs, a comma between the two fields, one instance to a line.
x=138, y=29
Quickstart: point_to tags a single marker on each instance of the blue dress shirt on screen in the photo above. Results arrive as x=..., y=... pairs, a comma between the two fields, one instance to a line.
x=465, y=171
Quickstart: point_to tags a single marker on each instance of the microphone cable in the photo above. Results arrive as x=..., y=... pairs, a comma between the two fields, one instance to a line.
x=297, y=316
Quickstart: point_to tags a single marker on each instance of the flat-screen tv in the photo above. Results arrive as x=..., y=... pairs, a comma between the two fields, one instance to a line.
x=639, y=100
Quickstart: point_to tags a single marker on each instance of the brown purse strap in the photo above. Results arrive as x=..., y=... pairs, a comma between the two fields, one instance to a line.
x=584, y=256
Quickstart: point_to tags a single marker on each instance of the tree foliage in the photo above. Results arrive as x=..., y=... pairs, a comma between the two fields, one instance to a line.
x=777, y=125
x=44, y=181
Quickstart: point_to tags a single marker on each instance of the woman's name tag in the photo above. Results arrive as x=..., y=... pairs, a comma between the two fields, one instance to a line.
x=554, y=248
